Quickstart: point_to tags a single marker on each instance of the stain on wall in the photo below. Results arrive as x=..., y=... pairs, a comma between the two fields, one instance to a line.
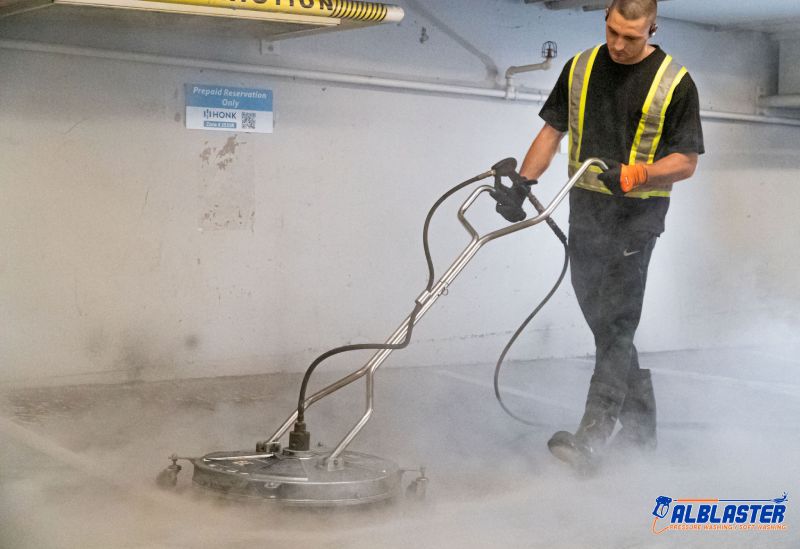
x=227, y=188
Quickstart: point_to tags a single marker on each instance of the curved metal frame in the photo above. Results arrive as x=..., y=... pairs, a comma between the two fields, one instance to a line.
x=426, y=300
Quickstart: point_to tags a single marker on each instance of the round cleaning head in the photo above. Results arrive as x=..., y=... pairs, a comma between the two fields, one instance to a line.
x=305, y=479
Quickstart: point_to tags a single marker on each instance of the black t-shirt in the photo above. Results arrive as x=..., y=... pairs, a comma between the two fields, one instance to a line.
x=614, y=103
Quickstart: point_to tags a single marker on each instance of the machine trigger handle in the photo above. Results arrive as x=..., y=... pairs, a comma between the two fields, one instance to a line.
x=508, y=168
x=509, y=199
x=505, y=168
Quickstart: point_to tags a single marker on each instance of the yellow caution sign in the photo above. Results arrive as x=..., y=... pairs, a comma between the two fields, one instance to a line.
x=338, y=9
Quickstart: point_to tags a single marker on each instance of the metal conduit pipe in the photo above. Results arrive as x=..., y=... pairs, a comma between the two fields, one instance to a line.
x=755, y=118
x=332, y=77
x=317, y=76
x=786, y=101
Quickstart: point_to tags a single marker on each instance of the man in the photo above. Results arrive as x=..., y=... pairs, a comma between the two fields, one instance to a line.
x=630, y=104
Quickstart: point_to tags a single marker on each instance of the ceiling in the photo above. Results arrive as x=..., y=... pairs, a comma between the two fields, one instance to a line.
x=772, y=16
x=777, y=17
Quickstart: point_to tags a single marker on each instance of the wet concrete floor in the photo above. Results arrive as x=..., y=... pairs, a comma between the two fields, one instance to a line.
x=78, y=463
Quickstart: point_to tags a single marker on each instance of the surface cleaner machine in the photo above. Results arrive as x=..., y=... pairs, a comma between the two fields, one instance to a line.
x=306, y=476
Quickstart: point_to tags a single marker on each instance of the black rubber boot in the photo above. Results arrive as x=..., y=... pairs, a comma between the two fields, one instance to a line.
x=638, y=415
x=576, y=450
x=582, y=450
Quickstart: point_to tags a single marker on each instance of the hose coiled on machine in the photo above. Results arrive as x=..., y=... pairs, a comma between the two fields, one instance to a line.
x=412, y=317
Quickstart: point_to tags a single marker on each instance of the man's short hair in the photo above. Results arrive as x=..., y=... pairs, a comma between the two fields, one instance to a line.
x=634, y=9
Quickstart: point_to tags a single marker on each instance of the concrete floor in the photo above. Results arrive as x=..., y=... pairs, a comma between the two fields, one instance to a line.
x=77, y=464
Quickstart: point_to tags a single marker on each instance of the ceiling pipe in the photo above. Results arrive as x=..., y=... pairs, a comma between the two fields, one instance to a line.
x=585, y=5
x=319, y=76
x=299, y=74
x=754, y=118
x=549, y=52
x=575, y=4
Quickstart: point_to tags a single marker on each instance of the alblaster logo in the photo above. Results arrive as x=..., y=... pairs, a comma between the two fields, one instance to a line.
x=720, y=514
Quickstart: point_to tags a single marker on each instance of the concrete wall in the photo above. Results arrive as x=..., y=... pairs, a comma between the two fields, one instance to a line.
x=111, y=268
x=789, y=77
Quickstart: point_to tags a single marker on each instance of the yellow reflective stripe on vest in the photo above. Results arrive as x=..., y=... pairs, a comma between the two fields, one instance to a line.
x=590, y=182
x=675, y=82
x=643, y=121
x=648, y=132
x=579, y=74
x=589, y=179
x=643, y=151
x=655, y=106
x=645, y=193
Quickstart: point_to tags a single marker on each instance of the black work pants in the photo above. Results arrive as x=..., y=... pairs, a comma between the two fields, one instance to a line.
x=609, y=273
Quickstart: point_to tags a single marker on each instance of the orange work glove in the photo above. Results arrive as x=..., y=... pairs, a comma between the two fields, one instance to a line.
x=631, y=176
x=623, y=178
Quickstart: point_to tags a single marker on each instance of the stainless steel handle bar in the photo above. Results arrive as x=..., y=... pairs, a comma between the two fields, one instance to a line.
x=426, y=301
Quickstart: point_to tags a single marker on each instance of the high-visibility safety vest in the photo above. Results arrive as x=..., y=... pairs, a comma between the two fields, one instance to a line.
x=648, y=134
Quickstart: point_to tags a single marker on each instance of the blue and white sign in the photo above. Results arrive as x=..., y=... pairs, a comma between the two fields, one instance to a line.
x=222, y=108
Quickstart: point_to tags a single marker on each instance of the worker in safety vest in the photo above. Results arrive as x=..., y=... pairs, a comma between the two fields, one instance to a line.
x=632, y=105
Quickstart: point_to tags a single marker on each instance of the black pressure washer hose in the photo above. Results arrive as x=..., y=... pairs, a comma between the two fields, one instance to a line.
x=299, y=438
x=525, y=323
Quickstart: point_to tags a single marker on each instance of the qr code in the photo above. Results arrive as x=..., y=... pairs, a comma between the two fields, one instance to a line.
x=248, y=120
